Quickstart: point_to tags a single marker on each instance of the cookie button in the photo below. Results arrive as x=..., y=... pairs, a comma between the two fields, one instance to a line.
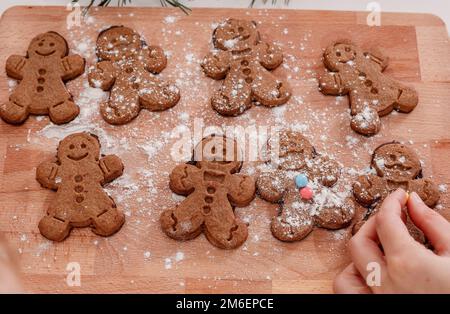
x=306, y=193
x=78, y=178
x=79, y=199
x=209, y=199
x=301, y=180
x=206, y=210
x=79, y=189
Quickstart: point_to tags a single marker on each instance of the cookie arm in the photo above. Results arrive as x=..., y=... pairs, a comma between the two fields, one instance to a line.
x=154, y=58
x=73, y=66
x=217, y=64
x=15, y=65
x=103, y=75
x=426, y=189
x=377, y=57
x=271, y=185
x=270, y=56
x=241, y=190
x=46, y=175
x=112, y=168
x=331, y=83
x=369, y=189
x=182, y=179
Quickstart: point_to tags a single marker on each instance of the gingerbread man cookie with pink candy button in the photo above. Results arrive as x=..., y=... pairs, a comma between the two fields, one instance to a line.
x=359, y=74
x=127, y=67
x=244, y=61
x=305, y=184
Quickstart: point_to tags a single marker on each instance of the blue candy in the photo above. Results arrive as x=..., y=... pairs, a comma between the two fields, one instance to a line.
x=301, y=181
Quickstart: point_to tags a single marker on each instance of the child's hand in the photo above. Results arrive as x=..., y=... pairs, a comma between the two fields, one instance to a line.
x=405, y=265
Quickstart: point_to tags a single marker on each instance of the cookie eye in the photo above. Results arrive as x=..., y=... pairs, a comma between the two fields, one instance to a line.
x=240, y=29
x=72, y=146
x=338, y=53
x=40, y=44
x=347, y=49
x=52, y=44
x=83, y=145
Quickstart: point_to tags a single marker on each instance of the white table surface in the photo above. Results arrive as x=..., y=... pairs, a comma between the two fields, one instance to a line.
x=440, y=8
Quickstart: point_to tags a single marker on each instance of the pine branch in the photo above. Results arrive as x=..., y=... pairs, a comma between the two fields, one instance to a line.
x=252, y=3
x=164, y=3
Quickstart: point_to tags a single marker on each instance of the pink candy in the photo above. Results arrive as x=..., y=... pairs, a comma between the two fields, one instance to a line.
x=306, y=193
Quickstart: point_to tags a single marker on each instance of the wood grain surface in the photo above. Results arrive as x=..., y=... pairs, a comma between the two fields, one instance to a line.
x=140, y=258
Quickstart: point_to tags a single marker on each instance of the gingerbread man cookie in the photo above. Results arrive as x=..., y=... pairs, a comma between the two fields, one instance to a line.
x=396, y=166
x=213, y=188
x=304, y=183
x=42, y=73
x=243, y=60
x=126, y=67
x=359, y=74
x=77, y=174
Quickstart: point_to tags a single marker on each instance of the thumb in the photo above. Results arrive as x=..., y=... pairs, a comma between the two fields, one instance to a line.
x=435, y=227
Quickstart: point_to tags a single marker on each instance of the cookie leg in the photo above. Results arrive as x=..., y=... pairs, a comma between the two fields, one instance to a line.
x=159, y=96
x=184, y=222
x=234, y=96
x=366, y=122
x=14, y=112
x=122, y=106
x=294, y=221
x=108, y=222
x=334, y=217
x=63, y=112
x=227, y=233
x=268, y=90
x=54, y=229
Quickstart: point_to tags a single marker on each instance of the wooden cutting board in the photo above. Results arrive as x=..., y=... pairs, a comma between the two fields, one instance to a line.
x=140, y=258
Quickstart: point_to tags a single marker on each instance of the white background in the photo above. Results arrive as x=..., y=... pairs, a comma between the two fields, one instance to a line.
x=440, y=8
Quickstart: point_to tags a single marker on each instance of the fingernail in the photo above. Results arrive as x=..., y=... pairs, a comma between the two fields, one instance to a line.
x=416, y=198
x=400, y=191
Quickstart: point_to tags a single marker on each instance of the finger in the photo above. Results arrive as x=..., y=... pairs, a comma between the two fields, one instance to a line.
x=391, y=230
x=364, y=248
x=349, y=281
x=435, y=227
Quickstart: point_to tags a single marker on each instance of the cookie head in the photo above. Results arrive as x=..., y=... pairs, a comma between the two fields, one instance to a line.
x=340, y=52
x=236, y=35
x=291, y=151
x=78, y=147
x=221, y=151
x=48, y=44
x=396, y=162
x=118, y=42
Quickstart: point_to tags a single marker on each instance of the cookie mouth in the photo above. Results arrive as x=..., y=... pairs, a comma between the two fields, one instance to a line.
x=45, y=54
x=78, y=158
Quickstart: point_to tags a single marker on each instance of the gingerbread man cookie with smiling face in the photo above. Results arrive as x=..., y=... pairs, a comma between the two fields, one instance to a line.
x=359, y=74
x=78, y=174
x=244, y=61
x=396, y=166
x=42, y=74
x=126, y=67
x=213, y=188
x=305, y=185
